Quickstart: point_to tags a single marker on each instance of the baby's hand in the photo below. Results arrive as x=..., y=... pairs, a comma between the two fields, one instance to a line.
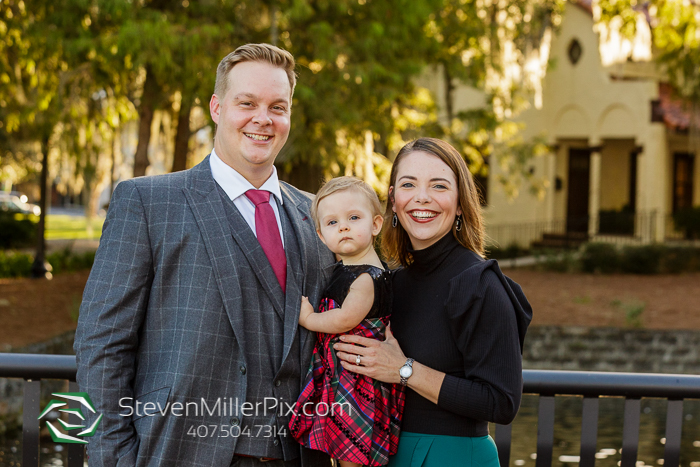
x=306, y=311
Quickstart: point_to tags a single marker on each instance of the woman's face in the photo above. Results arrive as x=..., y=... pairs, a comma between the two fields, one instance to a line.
x=426, y=198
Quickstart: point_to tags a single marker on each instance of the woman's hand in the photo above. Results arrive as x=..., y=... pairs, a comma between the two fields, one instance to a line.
x=306, y=311
x=379, y=360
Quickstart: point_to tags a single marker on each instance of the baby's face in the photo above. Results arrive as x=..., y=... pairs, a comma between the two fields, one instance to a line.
x=347, y=224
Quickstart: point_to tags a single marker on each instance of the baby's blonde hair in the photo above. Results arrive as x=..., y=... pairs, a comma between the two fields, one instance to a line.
x=337, y=184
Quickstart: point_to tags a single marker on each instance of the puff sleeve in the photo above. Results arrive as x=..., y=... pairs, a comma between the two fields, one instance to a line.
x=488, y=316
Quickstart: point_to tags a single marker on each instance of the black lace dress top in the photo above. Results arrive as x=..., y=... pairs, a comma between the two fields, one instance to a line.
x=344, y=275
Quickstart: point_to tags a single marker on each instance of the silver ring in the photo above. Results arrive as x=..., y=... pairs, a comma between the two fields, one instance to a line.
x=357, y=360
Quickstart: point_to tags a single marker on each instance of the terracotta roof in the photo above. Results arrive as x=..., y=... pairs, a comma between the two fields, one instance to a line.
x=585, y=4
x=676, y=112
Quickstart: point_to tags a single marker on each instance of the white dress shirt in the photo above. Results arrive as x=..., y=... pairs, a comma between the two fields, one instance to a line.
x=235, y=186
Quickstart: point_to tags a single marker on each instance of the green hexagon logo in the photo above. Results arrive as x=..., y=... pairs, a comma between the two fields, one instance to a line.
x=60, y=437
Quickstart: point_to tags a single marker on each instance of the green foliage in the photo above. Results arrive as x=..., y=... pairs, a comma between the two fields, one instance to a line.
x=679, y=259
x=606, y=258
x=641, y=259
x=688, y=221
x=559, y=261
x=675, y=33
x=73, y=72
x=16, y=230
x=67, y=261
x=511, y=251
x=633, y=311
x=15, y=264
x=600, y=258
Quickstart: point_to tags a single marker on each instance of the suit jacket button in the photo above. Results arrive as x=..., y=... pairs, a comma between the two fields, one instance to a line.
x=235, y=421
x=276, y=442
x=242, y=369
x=277, y=383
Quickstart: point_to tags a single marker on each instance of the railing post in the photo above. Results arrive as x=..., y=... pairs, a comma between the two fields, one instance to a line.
x=503, y=440
x=589, y=431
x=30, y=423
x=545, y=432
x=630, y=432
x=674, y=425
x=76, y=452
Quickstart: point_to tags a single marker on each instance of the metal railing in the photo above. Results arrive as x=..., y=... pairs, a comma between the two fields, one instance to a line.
x=544, y=383
x=33, y=368
x=591, y=385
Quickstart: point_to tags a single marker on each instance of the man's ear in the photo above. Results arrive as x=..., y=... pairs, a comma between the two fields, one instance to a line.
x=215, y=108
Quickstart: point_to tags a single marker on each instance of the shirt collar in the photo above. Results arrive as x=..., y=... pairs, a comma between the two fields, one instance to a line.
x=235, y=185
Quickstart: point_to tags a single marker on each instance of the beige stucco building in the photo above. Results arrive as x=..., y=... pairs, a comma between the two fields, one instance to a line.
x=622, y=157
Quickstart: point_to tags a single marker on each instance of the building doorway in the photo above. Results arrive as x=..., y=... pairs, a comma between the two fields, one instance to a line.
x=578, y=190
x=683, y=165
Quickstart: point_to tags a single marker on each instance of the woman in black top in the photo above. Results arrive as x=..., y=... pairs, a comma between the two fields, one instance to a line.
x=457, y=317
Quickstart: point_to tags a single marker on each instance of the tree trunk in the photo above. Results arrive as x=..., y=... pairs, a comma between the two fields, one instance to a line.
x=182, y=137
x=40, y=268
x=146, y=110
x=449, y=94
x=274, y=33
x=303, y=176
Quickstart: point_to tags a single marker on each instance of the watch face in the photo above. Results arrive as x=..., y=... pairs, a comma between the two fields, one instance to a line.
x=406, y=371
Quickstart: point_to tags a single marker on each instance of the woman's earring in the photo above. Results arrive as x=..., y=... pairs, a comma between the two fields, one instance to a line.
x=394, y=221
x=458, y=223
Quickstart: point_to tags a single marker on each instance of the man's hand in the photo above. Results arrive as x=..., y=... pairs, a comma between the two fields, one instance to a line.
x=306, y=312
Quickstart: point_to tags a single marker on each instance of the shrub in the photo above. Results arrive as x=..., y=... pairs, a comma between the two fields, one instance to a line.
x=66, y=261
x=15, y=264
x=20, y=264
x=641, y=259
x=16, y=230
x=600, y=258
x=559, y=261
x=688, y=220
x=677, y=259
x=511, y=251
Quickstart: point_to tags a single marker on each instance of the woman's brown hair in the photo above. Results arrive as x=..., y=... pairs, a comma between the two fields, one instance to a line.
x=395, y=240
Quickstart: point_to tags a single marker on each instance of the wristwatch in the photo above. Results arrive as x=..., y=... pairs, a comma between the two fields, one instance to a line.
x=406, y=371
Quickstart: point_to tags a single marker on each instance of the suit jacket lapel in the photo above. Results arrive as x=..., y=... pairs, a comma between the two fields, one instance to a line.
x=205, y=202
x=295, y=282
x=305, y=232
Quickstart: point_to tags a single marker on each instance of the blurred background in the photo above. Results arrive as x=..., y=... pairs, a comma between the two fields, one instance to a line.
x=579, y=119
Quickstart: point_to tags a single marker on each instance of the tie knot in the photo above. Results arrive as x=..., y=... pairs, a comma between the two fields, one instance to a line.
x=258, y=196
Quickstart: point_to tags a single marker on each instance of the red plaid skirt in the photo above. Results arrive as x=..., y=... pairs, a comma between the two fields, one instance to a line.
x=349, y=416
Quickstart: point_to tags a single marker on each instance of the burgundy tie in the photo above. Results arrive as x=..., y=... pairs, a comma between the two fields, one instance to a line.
x=268, y=234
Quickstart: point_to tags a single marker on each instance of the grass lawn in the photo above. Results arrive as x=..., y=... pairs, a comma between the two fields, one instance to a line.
x=59, y=226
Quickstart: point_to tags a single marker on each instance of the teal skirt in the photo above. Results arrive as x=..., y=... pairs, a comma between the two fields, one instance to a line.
x=422, y=450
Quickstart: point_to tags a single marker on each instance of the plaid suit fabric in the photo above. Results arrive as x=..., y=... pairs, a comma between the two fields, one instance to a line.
x=349, y=416
x=161, y=320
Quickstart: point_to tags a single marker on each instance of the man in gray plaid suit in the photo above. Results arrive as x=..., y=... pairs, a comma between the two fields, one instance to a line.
x=188, y=341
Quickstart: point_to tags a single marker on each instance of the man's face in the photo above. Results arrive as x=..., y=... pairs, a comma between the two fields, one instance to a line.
x=252, y=118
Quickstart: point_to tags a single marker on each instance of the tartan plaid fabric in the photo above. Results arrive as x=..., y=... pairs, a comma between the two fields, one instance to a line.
x=349, y=416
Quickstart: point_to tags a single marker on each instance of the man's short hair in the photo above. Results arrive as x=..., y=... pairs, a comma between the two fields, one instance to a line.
x=337, y=184
x=254, y=53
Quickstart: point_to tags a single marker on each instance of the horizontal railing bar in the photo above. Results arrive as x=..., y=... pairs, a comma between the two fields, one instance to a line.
x=600, y=383
x=547, y=382
x=37, y=366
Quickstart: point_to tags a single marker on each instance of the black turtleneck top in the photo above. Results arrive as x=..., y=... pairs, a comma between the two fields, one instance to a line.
x=458, y=314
